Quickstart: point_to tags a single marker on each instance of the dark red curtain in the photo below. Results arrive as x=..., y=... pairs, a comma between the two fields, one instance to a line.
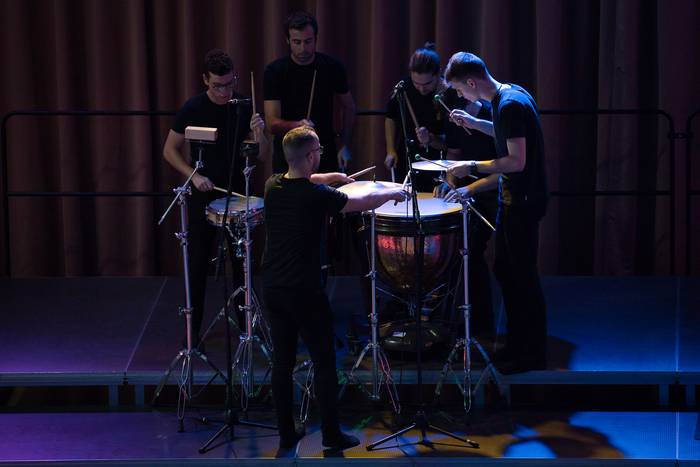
x=146, y=55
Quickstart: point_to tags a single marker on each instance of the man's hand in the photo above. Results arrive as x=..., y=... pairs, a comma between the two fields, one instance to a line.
x=456, y=196
x=202, y=183
x=398, y=194
x=460, y=169
x=390, y=161
x=329, y=178
x=441, y=190
x=257, y=124
x=423, y=135
x=344, y=157
x=463, y=118
x=306, y=122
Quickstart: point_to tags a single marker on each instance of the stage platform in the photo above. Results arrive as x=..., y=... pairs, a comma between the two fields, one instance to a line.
x=116, y=336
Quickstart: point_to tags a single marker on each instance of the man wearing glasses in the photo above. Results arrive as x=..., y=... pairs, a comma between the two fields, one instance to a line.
x=211, y=108
x=297, y=204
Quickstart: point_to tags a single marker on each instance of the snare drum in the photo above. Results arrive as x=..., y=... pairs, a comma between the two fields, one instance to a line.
x=236, y=211
x=395, y=232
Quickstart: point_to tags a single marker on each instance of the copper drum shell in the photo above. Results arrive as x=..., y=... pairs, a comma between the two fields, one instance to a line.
x=396, y=259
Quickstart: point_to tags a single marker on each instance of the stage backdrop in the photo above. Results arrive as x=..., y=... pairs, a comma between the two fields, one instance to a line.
x=146, y=55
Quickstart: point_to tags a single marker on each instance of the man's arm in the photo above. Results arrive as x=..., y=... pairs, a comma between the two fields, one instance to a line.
x=349, y=110
x=483, y=184
x=259, y=133
x=173, y=154
x=466, y=120
x=369, y=201
x=390, y=139
x=274, y=121
x=514, y=161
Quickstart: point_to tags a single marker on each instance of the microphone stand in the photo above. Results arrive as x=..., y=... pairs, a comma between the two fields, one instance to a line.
x=420, y=420
x=231, y=415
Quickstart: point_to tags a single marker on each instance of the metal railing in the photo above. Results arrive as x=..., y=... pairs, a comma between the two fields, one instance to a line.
x=671, y=136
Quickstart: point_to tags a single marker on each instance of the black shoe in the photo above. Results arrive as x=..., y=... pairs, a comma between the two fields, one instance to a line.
x=291, y=441
x=342, y=441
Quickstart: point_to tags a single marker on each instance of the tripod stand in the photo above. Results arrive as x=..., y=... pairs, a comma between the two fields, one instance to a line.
x=185, y=355
x=465, y=344
x=379, y=361
x=246, y=340
x=420, y=420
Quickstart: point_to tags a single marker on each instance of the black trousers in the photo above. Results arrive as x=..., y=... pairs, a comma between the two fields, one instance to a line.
x=203, y=242
x=305, y=313
x=517, y=235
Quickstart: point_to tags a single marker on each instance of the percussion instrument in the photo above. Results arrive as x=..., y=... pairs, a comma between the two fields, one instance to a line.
x=236, y=210
x=395, y=233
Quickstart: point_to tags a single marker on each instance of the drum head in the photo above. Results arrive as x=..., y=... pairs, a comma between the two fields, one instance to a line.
x=427, y=206
x=364, y=187
x=236, y=204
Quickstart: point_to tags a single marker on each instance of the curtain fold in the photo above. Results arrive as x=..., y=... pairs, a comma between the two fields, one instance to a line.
x=146, y=55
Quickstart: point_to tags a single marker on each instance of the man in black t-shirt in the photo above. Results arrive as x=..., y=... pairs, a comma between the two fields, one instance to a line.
x=288, y=82
x=428, y=137
x=477, y=146
x=211, y=109
x=519, y=173
x=297, y=204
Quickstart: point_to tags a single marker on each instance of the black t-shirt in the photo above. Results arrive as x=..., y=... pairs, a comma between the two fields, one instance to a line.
x=295, y=215
x=515, y=115
x=429, y=114
x=290, y=83
x=201, y=111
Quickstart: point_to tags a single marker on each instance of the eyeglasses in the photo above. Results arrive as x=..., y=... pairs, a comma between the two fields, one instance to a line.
x=319, y=149
x=225, y=86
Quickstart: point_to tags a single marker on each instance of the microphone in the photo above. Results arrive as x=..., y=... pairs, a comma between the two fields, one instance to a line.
x=240, y=101
x=398, y=88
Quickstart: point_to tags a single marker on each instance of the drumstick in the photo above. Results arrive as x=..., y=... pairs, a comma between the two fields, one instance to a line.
x=405, y=183
x=410, y=109
x=252, y=92
x=438, y=98
x=252, y=98
x=362, y=172
x=311, y=97
x=393, y=175
x=446, y=167
x=226, y=191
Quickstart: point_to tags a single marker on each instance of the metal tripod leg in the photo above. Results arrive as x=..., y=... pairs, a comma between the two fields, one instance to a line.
x=185, y=383
x=385, y=378
x=306, y=369
x=221, y=315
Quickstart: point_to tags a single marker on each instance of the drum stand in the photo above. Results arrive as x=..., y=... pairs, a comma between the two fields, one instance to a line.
x=185, y=355
x=379, y=360
x=231, y=415
x=468, y=341
x=420, y=420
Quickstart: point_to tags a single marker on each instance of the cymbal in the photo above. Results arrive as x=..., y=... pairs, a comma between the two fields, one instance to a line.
x=439, y=165
x=365, y=187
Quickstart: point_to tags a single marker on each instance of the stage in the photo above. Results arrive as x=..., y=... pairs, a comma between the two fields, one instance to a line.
x=83, y=356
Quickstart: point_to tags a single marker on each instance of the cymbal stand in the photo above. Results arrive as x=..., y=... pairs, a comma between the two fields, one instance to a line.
x=185, y=355
x=465, y=344
x=380, y=363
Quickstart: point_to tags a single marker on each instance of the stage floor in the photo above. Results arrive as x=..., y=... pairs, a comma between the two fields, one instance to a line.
x=520, y=438
x=122, y=333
